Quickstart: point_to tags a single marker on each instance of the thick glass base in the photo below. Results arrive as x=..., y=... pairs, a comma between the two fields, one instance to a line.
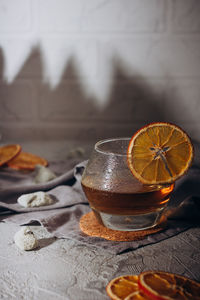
x=130, y=223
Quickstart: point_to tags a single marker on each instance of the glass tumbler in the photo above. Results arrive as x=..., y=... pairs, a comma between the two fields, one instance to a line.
x=118, y=200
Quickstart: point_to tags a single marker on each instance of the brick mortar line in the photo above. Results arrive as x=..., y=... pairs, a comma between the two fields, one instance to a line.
x=35, y=81
x=93, y=35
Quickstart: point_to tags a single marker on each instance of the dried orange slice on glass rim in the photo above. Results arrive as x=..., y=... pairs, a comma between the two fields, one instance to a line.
x=160, y=285
x=122, y=286
x=8, y=152
x=26, y=161
x=159, y=153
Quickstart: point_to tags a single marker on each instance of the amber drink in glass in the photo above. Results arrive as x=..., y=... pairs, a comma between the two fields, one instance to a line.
x=118, y=199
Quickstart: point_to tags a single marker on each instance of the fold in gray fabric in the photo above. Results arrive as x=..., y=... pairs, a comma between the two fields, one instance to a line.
x=62, y=218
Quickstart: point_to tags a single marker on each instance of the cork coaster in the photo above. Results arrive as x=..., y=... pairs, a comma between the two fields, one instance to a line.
x=90, y=226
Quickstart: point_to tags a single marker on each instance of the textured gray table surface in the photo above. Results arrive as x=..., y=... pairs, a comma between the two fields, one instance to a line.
x=66, y=269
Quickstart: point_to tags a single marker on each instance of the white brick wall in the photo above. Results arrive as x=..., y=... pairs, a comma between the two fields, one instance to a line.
x=102, y=16
x=15, y=16
x=90, y=69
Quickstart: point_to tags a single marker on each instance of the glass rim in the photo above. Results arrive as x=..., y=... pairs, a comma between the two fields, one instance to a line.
x=104, y=141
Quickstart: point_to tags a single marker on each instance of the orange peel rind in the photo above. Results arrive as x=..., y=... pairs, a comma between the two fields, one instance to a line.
x=137, y=296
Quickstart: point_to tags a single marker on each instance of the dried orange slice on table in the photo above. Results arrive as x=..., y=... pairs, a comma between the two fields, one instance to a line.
x=160, y=285
x=122, y=286
x=159, y=153
x=153, y=285
x=26, y=161
x=8, y=152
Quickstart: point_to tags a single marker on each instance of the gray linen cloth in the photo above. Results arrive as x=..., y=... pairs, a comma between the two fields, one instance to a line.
x=62, y=218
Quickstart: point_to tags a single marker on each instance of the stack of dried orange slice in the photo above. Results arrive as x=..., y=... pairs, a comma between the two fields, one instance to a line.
x=155, y=285
x=14, y=157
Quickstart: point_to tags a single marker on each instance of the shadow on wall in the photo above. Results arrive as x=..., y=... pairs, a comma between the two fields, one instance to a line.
x=31, y=109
